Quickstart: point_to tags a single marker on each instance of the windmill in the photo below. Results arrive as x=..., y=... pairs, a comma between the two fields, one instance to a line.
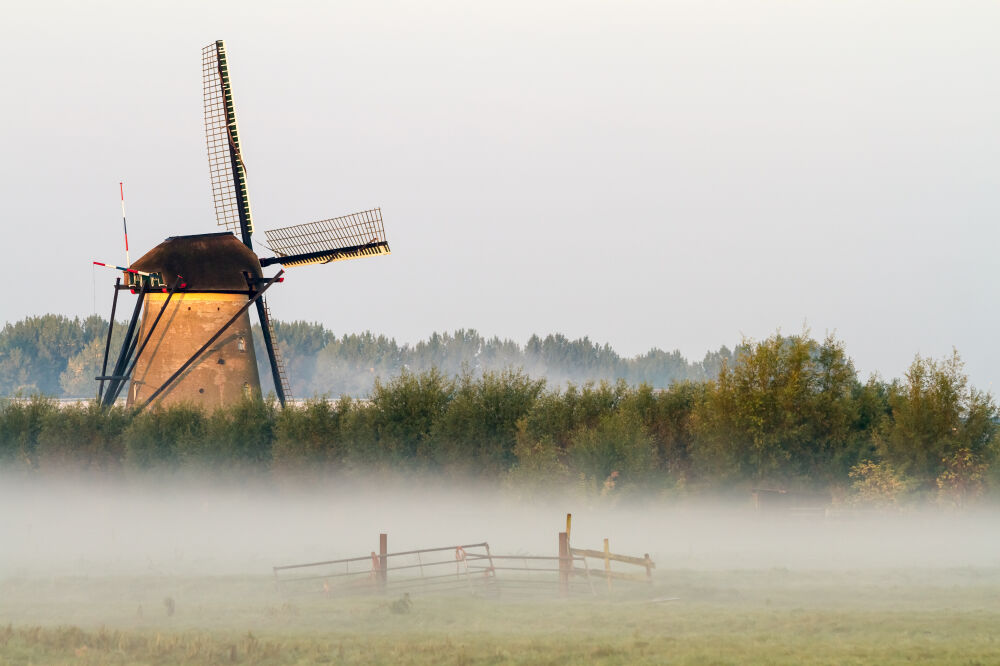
x=189, y=336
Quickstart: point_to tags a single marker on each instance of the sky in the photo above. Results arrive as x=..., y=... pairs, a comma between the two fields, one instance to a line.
x=665, y=174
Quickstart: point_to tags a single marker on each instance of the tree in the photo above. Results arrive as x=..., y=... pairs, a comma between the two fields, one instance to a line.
x=159, y=437
x=308, y=437
x=404, y=411
x=478, y=430
x=21, y=423
x=34, y=351
x=937, y=420
x=617, y=450
x=78, y=379
x=82, y=437
x=779, y=414
x=876, y=485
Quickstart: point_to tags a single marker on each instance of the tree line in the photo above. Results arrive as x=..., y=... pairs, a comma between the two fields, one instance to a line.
x=788, y=412
x=60, y=356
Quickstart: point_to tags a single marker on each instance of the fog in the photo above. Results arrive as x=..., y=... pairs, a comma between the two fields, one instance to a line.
x=197, y=527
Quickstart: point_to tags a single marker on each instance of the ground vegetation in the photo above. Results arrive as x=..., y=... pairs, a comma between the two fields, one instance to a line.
x=787, y=412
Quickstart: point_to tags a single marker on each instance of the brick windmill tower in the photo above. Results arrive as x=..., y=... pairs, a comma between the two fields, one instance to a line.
x=189, y=337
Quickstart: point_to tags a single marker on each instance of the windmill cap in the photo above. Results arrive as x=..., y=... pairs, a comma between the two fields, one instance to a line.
x=208, y=262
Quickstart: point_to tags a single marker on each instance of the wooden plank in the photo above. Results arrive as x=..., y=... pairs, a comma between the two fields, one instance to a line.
x=612, y=575
x=627, y=559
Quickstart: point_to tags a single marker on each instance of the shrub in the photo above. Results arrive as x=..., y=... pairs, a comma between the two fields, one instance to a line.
x=155, y=437
x=618, y=449
x=962, y=478
x=876, y=485
x=308, y=437
x=239, y=436
x=478, y=430
x=82, y=437
x=20, y=424
x=403, y=413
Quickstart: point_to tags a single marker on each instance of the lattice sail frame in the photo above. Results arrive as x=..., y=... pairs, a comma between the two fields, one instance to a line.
x=225, y=165
x=336, y=239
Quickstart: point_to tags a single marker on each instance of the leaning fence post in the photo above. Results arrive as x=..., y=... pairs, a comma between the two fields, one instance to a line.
x=383, y=560
x=564, y=564
x=649, y=568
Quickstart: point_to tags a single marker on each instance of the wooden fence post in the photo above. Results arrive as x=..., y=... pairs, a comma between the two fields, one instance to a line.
x=607, y=563
x=383, y=561
x=565, y=563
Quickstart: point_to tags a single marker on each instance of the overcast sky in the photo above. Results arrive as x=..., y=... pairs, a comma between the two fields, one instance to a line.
x=668, y=174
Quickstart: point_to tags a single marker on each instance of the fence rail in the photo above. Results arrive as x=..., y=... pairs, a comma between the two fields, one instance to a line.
x=470, y=565
x=409, y=568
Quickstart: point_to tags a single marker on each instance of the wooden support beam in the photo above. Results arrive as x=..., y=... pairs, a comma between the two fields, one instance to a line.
x=607, y=561
x=383, y=560
x=565, y=564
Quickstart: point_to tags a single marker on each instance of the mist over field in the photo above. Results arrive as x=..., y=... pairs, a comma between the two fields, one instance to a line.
x=91, y=527
x=177, y=569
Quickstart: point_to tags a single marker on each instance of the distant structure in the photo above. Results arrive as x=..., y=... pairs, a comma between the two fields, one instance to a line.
x=193, y=341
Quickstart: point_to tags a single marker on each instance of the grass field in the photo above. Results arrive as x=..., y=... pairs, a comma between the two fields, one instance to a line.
x=732, y=617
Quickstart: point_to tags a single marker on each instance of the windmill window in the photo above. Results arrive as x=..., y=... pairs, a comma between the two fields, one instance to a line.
x=201, y=390
x=221, y=361
x=241, y=343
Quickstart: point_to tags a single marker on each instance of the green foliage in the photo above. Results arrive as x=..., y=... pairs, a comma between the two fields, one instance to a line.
x=961, y=481
x=20, y=424
x=876, y=485
x=781, y=412
x=77, y=380
x=156, y=437
x=35, y=351
x=539, y=468
x=240, y=436
x=618, y=449
x=478, y=429
x=404, y=411
x=936, y=415
x=788, y=412
x=82, y=437
x=308, y=437
x=668, y=416
x=349, y=365
x=58, y=356
x=558, y=415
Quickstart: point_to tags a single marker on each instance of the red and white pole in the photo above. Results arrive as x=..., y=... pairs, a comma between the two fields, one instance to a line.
x=125, y=269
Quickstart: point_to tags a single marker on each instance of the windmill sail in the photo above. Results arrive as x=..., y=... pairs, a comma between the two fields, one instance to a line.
x=348, y=237
x=225, y=164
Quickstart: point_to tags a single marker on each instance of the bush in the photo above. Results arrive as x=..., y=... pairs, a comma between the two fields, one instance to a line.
x=935, y=416
x=82, y=437
x=20, y=424
x=876, y=485
x=308, y=437
x=962, y=479
x=155, y=437
x=478, y=430
x=404, y=411
x=619, y=450
x=238, y=437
